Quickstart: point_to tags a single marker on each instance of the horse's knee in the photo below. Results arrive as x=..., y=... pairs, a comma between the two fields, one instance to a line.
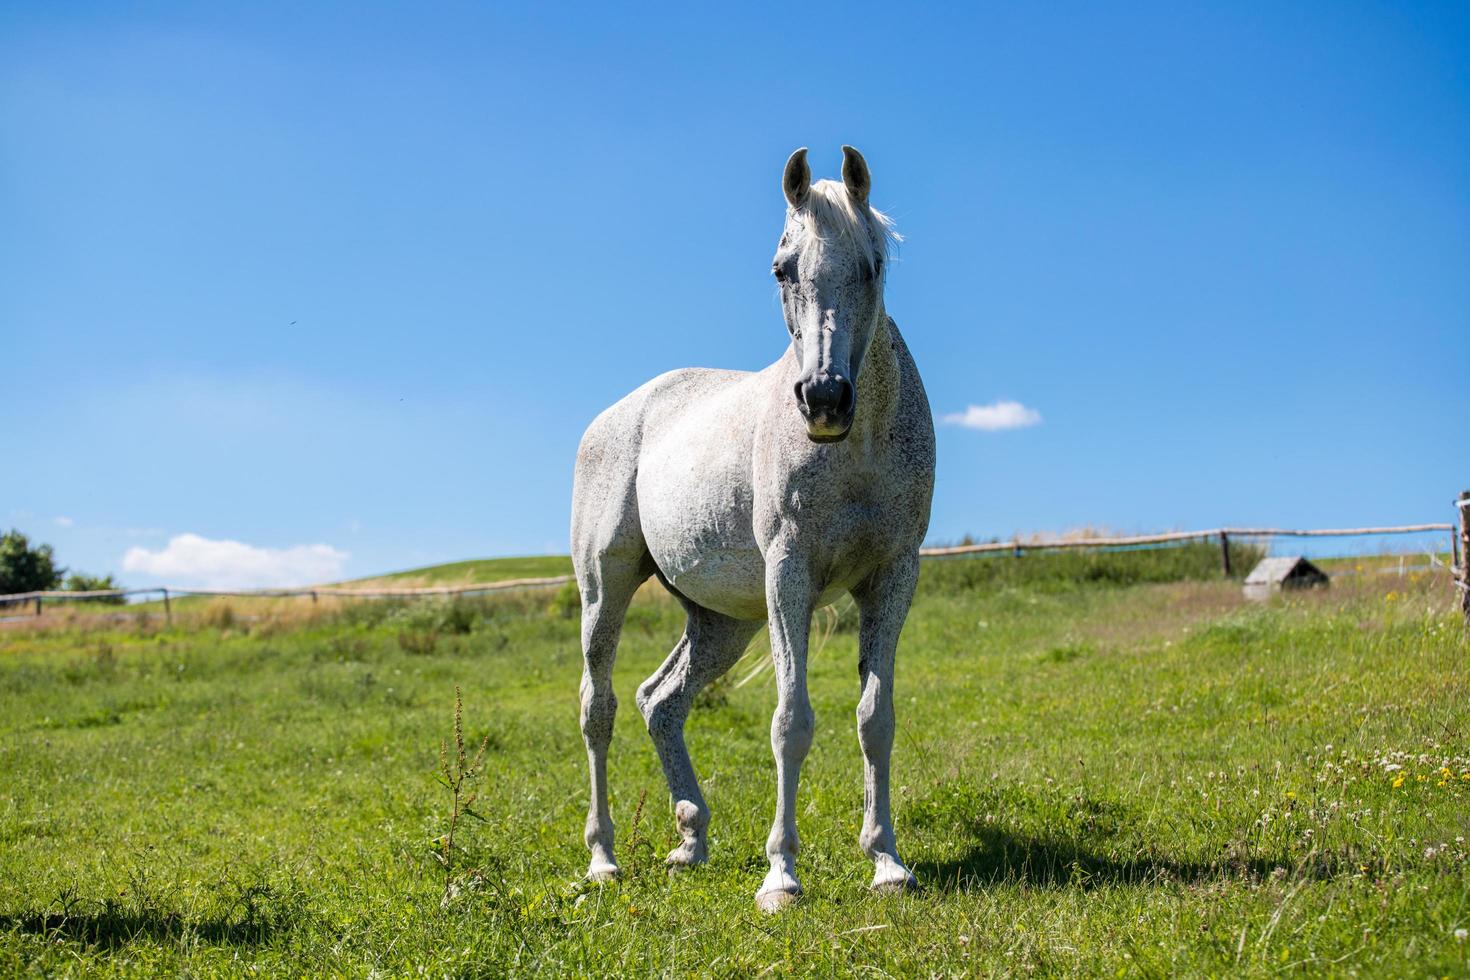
x=599, y=708
x=874, y=724
x=792, y=727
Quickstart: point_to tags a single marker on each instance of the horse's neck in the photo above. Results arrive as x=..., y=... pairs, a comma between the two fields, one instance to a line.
x=878, y=384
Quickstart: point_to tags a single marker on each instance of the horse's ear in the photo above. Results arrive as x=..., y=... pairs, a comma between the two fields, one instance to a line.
x=796, y=182
x=855, y=176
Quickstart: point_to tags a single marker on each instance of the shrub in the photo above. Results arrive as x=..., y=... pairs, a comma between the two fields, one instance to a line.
x=458, y=615
x=367, y=613
x=219, y=614
x=566, y=602
x=81, y=582
x=418, y=642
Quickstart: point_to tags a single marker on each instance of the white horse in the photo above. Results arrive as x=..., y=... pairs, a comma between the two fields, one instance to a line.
x=765, y=495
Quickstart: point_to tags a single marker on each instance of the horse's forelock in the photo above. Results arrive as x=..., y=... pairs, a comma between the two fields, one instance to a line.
x=829, y=210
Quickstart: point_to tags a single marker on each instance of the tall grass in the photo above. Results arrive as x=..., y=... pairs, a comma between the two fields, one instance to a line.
x=1054, y=570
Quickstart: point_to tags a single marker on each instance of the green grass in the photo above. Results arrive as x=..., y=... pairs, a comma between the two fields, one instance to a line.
x=480, y=570
x=1124, y=777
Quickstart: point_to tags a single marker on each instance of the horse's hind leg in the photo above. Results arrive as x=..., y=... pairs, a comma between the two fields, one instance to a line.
x=709, y=647
x=607, y=586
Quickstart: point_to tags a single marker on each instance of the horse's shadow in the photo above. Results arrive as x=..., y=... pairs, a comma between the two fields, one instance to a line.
x=113, y=928
x=994, y=855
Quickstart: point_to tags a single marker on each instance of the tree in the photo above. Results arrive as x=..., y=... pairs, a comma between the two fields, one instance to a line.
x=82, y=582
x=26, y=569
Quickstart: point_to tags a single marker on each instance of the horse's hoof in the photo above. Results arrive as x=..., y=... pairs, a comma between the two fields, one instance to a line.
x=684, y=857
x=600, y=871
x=892, y=878
x=894, y=883
x=777, y=899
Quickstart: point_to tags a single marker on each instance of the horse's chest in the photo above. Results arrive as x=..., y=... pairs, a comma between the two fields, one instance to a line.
x=854, y=502
x=847, y=530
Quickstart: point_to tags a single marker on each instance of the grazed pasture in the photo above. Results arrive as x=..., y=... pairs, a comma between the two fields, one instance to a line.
x=1095, y=773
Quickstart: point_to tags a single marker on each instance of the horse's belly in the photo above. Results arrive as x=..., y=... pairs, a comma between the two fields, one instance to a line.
x=705, y=547
x=708, y=565
x=728, y=581
x=695, y=507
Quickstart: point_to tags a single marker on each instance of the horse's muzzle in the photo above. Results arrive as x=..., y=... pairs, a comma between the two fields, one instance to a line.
x=827, y=402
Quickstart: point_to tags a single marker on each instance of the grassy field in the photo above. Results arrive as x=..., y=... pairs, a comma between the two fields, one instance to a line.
x=1103, y=767
x=476, y=570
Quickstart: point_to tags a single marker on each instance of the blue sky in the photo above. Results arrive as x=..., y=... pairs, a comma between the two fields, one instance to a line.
x=344, y=284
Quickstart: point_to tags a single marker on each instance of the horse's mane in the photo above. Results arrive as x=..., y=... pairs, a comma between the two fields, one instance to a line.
x=829, y=211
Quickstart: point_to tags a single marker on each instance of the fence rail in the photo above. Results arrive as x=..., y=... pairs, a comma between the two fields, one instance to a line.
x=1016, y=546
x=1169, y=537
x=170, y=592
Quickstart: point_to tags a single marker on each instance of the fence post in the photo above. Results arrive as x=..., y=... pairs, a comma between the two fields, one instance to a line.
x=38, y=605
x=1016, y=548
x=1462, y=575
x=168, y=613
x=1225, y=553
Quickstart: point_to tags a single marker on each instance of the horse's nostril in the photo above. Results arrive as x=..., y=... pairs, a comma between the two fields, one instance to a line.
x=844, y=397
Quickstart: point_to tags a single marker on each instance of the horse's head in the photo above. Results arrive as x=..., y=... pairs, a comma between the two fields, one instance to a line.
x=830, y=266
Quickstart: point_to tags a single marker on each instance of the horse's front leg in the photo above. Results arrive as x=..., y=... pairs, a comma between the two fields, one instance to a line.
x=789, y=605
x=883, y=601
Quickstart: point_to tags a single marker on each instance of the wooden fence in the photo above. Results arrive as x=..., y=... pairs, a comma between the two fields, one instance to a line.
x=1017, y=546
x=1459, y=545
x=1462, y=566
x=173, y=592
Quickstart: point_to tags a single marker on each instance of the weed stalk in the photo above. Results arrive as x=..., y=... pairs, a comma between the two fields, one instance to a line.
x=456, y=772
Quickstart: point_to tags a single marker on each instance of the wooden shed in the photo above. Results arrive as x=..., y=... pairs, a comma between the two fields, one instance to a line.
x=1286, y=572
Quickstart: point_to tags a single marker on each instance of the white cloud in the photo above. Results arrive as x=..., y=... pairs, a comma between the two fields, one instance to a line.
x=994, y=417
x=191, y=560
x=63, y=521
